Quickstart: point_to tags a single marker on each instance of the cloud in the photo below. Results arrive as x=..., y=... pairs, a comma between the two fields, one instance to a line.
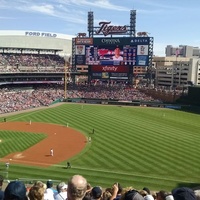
x=106, y=4
x=45, y=9
x=67, y=10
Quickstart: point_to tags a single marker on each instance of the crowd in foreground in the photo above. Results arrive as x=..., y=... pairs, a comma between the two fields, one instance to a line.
x=78, y=188
x=12, y=99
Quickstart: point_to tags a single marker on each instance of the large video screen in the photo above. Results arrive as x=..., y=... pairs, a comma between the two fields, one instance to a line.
x=132, y=51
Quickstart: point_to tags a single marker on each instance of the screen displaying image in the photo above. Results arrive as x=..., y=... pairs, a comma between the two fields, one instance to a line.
x=113, y=55
x=112, y=51
x=80, y=50
x=110, y=55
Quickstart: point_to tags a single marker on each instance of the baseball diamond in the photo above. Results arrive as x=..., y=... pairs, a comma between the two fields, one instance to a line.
x=38, y=154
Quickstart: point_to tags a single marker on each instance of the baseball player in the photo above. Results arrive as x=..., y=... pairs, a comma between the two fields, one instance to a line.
x=51, y=152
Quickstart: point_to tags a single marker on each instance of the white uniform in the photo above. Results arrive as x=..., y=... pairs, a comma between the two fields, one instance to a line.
x=51, y=152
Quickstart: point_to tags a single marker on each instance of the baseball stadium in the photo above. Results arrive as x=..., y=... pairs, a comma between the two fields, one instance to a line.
x=107, y=130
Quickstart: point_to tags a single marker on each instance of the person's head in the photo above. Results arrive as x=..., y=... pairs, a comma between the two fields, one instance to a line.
x=147, y=190
x=96, y=192
x=117, y=51
x=143, y=192
x=197, y=194
x=62, y=187
x=49, y=184
x=77, y=187
x=106, y=195
x=37, y=191
x=15, y=190
x=133, y=195
x=79, y=49
x=183, y=193
x=161, y=195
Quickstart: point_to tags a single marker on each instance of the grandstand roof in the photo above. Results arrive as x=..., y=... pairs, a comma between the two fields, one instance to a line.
x=36, y=40
x=25, y=33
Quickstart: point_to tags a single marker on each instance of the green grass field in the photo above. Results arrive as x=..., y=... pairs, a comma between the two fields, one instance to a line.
x=152, y=147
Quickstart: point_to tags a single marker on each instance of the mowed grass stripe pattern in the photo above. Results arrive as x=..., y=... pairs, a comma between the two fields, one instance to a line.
x=17, y=141
x=134, y=146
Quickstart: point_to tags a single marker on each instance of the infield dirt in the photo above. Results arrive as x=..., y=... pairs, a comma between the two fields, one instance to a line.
x=66, y=143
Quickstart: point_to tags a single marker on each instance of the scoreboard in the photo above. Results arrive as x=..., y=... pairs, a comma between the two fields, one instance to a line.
x=111, y=58
x=132, y=51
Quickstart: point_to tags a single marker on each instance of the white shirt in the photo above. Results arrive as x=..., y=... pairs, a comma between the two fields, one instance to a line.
x=49, y=195
x=61, y=196
x=117, y=58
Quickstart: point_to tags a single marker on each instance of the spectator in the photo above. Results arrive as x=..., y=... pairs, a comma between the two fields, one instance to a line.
x=197, y=194
x=147, y=190
x=77, y=187
x=148, y=197
x=183, y=193
x=133, y=195
x=96, y=193
x=116, y=191
x=37, y=191
x=62, y=191
x=1, y=185
x=143, y=192
x=50, y=191
x=15, y=190
x=161, y=195
x=106, y=195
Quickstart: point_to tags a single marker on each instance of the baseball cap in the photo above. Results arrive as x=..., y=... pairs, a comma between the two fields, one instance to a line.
x=15, y=190
x=133, y=195
x=49, y=183
x=183, y=193
x=96, y=192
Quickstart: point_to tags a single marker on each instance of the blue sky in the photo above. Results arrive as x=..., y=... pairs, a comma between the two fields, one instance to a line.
x=173, y=22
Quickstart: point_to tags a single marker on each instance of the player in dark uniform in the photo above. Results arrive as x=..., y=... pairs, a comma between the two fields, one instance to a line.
x=68, y=165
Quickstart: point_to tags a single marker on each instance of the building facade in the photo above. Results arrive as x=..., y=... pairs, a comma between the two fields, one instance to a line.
x=182, y=51
x=176, y=72
x=12, y=39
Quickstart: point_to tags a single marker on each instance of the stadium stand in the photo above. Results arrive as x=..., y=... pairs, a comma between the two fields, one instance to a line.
x=78, y=188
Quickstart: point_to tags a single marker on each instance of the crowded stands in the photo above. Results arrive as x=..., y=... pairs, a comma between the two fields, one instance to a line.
x=78, y=188
x=15, y=62
x=18, y=99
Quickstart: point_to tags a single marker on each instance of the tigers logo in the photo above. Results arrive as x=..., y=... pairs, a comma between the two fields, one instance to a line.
x=107, y=29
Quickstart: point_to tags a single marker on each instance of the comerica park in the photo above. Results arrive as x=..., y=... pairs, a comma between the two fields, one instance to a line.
x=98, y=109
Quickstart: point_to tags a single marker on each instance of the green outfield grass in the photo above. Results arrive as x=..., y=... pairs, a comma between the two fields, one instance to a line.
x=152, y=147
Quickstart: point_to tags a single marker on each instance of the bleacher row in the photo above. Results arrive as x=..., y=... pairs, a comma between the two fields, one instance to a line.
x=12, y=100
x=78, y=188
x=31, y=60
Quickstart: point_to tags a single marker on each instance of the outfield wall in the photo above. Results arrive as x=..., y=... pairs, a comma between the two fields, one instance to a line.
x=123, y=103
